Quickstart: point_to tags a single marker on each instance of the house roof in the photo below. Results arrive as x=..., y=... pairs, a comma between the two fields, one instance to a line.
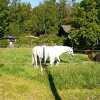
x=66, y=28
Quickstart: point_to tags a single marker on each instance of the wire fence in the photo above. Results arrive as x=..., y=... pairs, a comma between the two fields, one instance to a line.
x=28, y=46
x=61, y=63
x=23, y=56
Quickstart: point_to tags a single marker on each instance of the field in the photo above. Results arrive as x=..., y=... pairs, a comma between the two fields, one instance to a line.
x=75, y=78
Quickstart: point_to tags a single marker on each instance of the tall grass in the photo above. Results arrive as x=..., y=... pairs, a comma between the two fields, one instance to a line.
x=75, y=78
x=73, y=72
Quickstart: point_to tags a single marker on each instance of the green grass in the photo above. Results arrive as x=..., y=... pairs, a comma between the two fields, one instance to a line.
x=75, y=78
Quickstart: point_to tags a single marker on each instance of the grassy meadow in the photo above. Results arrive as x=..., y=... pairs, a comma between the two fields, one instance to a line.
x=75, y=78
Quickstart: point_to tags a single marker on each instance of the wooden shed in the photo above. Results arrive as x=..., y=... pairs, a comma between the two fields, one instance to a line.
x=64, y=30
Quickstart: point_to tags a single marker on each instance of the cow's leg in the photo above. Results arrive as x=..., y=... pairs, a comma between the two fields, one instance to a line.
x=40, y=61
x=45, y=59
x=40, y=64
x=32, y=59
x=58, y=60
x=35, y=58
x=51, y=61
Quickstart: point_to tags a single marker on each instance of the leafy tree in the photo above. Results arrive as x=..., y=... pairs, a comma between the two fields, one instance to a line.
x=24, y=18
x=20, y=13
x=46, y=17
x=62, y=11
x=4, y=12
x=86, y=24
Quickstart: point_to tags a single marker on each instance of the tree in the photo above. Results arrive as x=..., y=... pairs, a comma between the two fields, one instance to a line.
x=86, y=24
x=19, y=19
x=4, y=12
x=47, y=19
x=62, y=11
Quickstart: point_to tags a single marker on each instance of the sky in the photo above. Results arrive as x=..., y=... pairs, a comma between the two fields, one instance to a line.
x=35, y=3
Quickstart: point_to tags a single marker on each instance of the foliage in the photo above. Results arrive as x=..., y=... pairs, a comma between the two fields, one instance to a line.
x=86, y=23
x=48, y=40
x=20, y=19
x=45, y=39
x=4, y=12
x=64, y=12
x=23, y=20
x=46, y=18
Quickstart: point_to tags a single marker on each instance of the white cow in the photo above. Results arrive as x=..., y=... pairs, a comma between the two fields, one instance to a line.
x=53, y=52
x=37, y=55
x=49, y=52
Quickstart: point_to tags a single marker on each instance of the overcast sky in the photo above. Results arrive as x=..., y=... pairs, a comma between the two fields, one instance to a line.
x=35, y=3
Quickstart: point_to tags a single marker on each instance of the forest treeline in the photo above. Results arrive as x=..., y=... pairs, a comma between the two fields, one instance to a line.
x=44, y=21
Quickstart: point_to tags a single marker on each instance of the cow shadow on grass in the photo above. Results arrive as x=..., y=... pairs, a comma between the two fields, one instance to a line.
x=1, y=66
x=52, y=84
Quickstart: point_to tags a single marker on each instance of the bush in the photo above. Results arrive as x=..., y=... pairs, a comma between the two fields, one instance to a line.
x=3, y=43
x=23, y=41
